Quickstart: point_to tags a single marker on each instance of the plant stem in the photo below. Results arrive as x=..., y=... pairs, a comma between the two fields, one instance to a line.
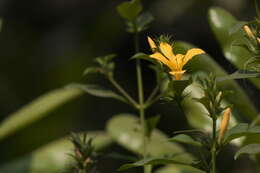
x=213, y=147
x=123, y=92
x=141, y=98
x=152, y=95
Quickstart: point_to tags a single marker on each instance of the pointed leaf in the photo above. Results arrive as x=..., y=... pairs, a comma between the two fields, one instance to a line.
x=143, y=21
x=186, y=139
x=240, y=74
x=151, y=124
x=152, y=161
x=37, y=109
x=91, y=70
x=97, y=91
x=248, y=149
x=129, y=10
x=240, y=130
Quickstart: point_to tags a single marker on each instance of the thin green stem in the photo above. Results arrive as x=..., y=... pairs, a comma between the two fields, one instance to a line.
x=141, y=99
x=152, y=95
x=123, y=92
x=213, y=147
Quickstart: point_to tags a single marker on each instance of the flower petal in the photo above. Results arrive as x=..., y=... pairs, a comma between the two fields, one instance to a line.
x=158, y=56
x=190, y=54
x=151, y=43
x=178, y=61
x=166, y=49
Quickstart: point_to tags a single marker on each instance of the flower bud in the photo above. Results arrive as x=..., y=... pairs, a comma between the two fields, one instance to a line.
x=258, y=40
x=248, y=32
x=224, y=123
x=152, y=44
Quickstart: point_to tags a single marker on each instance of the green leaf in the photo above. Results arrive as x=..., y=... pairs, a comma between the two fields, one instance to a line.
x=186, y=139
x=248, y=149
x=91, y=70
x=129, y=10
x=221, y=21
x=126, y=130
x=53, y=157
x=37, y=109
x=178, y=169
x=240, y=130
x=152, y=161
x=143, y=56
x=178, y=86
x=97, y=91
x=240, y=74
x=143, y=21
x=151, y=124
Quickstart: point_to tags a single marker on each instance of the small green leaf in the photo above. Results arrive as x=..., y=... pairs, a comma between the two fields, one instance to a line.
x=240, y=74
x=143, y=56
x=182, y=138
x=248, y=149
x=152, y=161
x=143, y=21
x=151, y=124
x=130, y=10
x=97, y=91
x=104, y=60
x=91, y=70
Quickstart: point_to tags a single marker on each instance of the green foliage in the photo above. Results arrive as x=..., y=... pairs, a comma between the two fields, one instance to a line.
x=84, y=155
x=240, y=130
x=130, y=10
x=106, y=66
x=206, y=64
x=212, y=98
x=37, y=109
x=126, y=131
x=152, y=161
x=186, y=139
x=97, y=91
x=240, y=74
x=53, y=157
x=221, y=21
x=248, y=149
x=151, y=124
x=176, y=88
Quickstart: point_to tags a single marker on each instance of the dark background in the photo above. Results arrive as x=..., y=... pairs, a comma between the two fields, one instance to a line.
x=46, y=44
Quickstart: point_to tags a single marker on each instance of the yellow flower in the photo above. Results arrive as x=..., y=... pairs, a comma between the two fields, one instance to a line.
x=164, y=54
x=224, y=124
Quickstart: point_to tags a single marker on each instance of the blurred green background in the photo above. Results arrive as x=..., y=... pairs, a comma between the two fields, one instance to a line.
x=46, y=44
